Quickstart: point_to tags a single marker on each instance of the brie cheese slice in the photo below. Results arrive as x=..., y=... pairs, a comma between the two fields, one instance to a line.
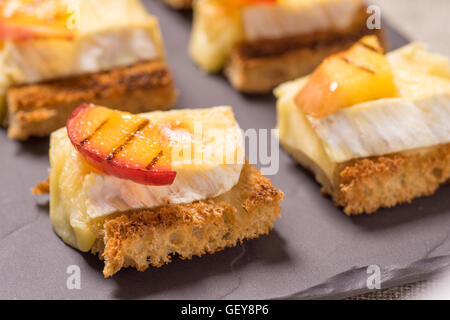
x=418, y=118
x=263, y=22
x=81, y=194
x=102, y=35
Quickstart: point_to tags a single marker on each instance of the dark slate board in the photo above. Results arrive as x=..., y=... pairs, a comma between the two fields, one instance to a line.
x=315, y=251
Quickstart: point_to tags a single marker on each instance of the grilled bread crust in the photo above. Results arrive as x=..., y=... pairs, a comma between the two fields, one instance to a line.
x=179, y=4
x=368, y=184
x=259, y=66
x=365, y=185
x=141, y=238
x=39, y=109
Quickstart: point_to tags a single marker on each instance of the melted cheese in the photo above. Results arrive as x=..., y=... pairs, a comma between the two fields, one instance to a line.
x=103, y=35
x=80, y=194
x=418, y=118
x=262, y=22
x=219, y=25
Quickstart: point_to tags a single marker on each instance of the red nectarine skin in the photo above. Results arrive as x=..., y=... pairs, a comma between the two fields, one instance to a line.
x=108, y=139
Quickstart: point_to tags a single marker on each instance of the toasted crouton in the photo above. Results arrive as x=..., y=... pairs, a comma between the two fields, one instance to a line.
x=367, y=184
x=42, y=187
x=143, y=238
x=259, y=66
x=179, y=4
x=39, y=109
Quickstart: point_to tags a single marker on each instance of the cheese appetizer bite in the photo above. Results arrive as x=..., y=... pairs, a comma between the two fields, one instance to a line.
x=138, y=189
x=57, y=54
x=262, y=43
x=179, y=4
x=374, y=129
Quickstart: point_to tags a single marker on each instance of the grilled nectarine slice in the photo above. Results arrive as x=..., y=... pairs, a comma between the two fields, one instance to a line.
x=359, y=74
x=121, y=144
x=24, y=20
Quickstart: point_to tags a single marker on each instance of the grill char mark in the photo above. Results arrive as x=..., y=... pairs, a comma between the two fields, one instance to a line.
x=369, y=47
x=86, y=140
x=130, y=138
x=347, y=60
x=154, y=161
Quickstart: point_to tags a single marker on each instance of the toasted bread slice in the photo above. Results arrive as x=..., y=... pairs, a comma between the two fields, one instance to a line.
x=401, y=147
x=179, y=4
x=260, y=45
x=368, y=184
x=141, y=238
x=151, y=237
x=39, y=109
x=259, y=66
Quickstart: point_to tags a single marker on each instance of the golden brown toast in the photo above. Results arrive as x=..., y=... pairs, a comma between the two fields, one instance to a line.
x=368, y=184
x=179, y=4
x=151, y=237
x=259, y=66
x=141, y=238
x=39, y=109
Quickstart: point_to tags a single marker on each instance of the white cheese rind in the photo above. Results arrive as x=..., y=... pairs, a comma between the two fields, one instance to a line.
x=107, y=194
x=384, y=126
x=107, y=35
x=273, y=22
x=79, y=193
x=219, y=26
x=36, y=61
x=418, y=118
x=196, y=179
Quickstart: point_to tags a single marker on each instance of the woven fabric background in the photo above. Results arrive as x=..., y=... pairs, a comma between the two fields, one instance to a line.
x=410, y=291
x=425, y=21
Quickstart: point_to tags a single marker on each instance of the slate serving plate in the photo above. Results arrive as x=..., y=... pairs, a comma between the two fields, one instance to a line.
x=315, y=251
